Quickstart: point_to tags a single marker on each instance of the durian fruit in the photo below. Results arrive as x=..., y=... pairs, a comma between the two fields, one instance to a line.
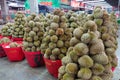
x=114, y=62
x=53, y=57
x=4, y=40
x=97, y=48
x=66, y=60
x=98, y=69
x=71, y=68
x=61, y=70
x=98, y=13
x=7, y=29
x=74, y=41
x=54, y=26
x=101, y=58
x=99, y=22
x=13, y=45
x=109, y=44
x=18, y=27
x=57, y=36
x=33, y=35
x=67, y=76
x=85, y=61
x=110, y=51
x=77, y=33
x=107, y=67
x=96, y=78
x=91, y=25
x=73, y=56
x=107, y=75
x=81, y=49
x=56, y=51
x=86, y=38
x=105, y=36
x=84, y=73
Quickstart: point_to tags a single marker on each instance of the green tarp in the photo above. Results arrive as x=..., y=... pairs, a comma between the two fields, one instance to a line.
x=27, y=5
x=55, y=3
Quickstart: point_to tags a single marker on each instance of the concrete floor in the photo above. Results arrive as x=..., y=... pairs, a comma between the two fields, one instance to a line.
x=22, y=71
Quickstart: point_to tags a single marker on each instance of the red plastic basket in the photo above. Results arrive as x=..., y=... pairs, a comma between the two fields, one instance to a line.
x=14, y=54
x=17, y=39
x=2, y=52
x=53, y=66
x=34, y=59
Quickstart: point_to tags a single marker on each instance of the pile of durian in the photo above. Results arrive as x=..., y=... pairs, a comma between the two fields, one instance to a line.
x=92, y=52
x=18, y=28
x=56, y=39
x=108, y=27
x=33, y=34
x=7, y=29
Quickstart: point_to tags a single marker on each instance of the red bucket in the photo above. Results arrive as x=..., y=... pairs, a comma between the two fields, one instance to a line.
x=2, y=52
x=53, y=66
x=14, y=54
x=34, y=59
x=17, y=39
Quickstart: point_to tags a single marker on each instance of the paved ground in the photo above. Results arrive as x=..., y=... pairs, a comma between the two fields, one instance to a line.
x=21, y=70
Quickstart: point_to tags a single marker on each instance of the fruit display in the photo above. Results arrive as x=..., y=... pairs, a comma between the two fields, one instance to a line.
x=108, y=27
x=33, y=34
x=7, y=29
x=5, y=40
x=18, y=27
x=92, y=52
x=56, y=39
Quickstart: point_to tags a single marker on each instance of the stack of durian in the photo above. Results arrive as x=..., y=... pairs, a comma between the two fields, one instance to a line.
x=56, y=39
x=92, y=52
x=7, y=29
x=18, y=28
x=108, y=27
x=33, y=34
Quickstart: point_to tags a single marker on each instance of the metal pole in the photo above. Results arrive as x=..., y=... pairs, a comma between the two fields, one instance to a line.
x=118, y=8
x=33, y=6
